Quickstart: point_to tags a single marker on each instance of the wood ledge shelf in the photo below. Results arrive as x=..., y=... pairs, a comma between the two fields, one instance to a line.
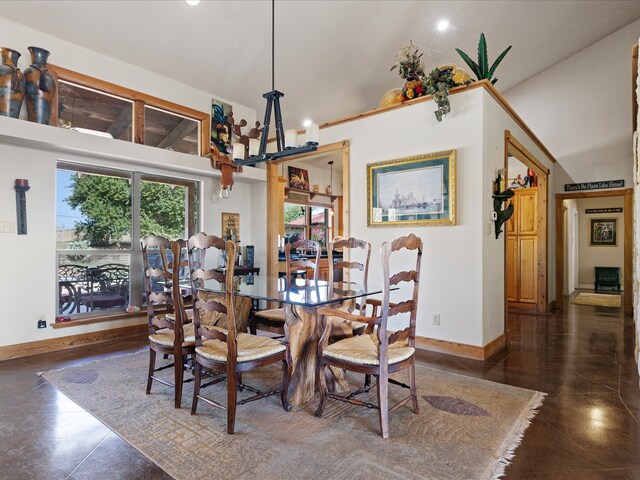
x=310, y=193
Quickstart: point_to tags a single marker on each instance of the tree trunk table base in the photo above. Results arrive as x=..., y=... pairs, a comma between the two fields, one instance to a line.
x=303, y=333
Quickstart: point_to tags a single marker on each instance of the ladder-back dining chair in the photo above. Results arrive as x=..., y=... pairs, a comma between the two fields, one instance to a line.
x=168, y=335
x=347, y=269
x=272, y=319
x=232, y=352
x=381, y=352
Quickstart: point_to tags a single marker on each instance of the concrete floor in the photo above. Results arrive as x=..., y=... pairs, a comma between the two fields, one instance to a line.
x=588, y=427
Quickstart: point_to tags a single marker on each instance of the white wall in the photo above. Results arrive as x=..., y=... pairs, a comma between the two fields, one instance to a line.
x=452, y=261
x=495, y=122
x=580, y=108
x=79, y=59
x=572, y=237
x=591, y=256
x=27, y=283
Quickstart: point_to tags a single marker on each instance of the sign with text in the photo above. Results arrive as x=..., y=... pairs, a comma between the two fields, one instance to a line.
x=576, y=187
x=603, y=210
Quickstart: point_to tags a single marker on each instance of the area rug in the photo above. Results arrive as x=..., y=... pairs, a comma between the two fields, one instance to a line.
x=466, y=429
x=597, y=300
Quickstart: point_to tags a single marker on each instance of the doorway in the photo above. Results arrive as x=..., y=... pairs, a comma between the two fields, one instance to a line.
x=626, y=233
x=276, y=198
x=526, y=233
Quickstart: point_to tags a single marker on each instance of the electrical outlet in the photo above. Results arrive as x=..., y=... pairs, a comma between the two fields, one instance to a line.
x=42, y=320
x=7, y=226
x=436, y=319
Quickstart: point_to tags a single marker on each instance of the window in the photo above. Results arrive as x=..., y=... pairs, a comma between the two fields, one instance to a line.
x=306, y=221
x=101, y=216
x=91, y=105
x=91, y=111
x=164, y=129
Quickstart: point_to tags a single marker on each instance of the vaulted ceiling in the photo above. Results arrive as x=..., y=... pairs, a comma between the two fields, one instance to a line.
x=332, y=57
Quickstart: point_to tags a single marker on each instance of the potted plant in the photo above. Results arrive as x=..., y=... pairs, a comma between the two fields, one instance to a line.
x=410, y=67
x=482, y=69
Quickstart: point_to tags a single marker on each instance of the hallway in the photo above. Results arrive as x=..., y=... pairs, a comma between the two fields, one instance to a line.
x=587, y=427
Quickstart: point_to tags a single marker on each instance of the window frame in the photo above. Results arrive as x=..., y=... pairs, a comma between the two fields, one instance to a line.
x=140, y=100
x=307, y=220
x=136, y=280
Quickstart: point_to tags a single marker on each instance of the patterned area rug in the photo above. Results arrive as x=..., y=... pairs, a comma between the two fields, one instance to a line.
x=467, y=428
x=597, y=300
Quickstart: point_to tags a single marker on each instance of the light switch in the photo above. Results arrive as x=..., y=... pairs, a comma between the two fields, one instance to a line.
x=7, y=226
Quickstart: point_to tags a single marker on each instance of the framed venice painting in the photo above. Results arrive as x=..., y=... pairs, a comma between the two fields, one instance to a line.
x=412, y=191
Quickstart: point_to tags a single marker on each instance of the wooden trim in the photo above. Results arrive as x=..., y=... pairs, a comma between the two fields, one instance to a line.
x=513, y=146
x=140, y=99
x=460, y=349
x=275, y=216
x=63, y=343
x=97, y=319
x=522, y=307
x=597, y=193
x=634, y=86
x=497, y=96
x=628, y=252
x=509, y=138
x=346, y=201
x=627, y=193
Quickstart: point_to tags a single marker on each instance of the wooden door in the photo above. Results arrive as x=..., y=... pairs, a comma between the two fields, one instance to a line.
x=527, y=211
x=512, y=269
x=522, y=248
x=528, y=263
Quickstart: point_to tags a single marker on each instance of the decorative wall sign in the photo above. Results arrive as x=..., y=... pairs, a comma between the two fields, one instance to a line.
x=603, y=210
x=249, y=262
x=412, y=191
x=604, y=232
x=231, y=226
x=576, y=187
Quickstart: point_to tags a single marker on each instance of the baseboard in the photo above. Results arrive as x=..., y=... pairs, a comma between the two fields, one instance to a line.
x=461, y=349
x=62, y=343
x=523, y=307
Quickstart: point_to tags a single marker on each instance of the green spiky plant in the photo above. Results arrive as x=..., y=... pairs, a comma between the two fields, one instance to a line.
x=482, y=69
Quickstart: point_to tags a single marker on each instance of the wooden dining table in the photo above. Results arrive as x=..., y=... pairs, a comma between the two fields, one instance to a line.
x=301, y=299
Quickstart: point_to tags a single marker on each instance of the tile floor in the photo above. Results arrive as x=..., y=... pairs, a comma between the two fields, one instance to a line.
x=588, y=427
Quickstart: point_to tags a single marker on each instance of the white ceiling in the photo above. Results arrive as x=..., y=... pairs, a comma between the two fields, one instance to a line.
x=332, y=57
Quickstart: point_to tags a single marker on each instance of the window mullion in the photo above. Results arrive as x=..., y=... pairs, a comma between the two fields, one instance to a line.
x=135, y=262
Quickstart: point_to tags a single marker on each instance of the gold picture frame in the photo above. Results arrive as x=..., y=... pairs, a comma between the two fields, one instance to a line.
x=231, y=226
x=412, y=191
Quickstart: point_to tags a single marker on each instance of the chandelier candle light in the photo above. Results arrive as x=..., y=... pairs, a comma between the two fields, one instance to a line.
x=287, y=142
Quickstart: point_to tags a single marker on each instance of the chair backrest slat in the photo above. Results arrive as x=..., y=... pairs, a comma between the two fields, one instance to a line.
x=410, y=242
x=347, y=246
x=198, y=245
x=157, y=294
x=302, y=263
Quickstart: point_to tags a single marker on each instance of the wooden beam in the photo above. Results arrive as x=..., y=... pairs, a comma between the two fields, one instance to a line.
x=178, y=133
x=122, y=121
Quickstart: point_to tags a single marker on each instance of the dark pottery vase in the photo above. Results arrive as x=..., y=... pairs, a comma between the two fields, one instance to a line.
x=12, y=84
x=41, y=89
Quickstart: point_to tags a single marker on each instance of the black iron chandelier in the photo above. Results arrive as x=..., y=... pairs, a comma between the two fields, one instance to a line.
x=286, y=142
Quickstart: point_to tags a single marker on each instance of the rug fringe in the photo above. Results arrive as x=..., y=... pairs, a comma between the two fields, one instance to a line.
x=514, y=439
x=40, y=374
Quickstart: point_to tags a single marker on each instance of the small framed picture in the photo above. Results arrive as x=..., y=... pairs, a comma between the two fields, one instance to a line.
x=298, y=178
x=604, y=232
x=231, y=226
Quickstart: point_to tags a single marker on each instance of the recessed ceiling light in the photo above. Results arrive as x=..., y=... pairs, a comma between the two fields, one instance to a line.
x=443, y=25
x=306, y=123
x=192, y=3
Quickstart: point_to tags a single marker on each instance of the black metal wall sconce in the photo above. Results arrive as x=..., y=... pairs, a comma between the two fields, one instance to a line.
x=21, y=187
x=500, y=215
